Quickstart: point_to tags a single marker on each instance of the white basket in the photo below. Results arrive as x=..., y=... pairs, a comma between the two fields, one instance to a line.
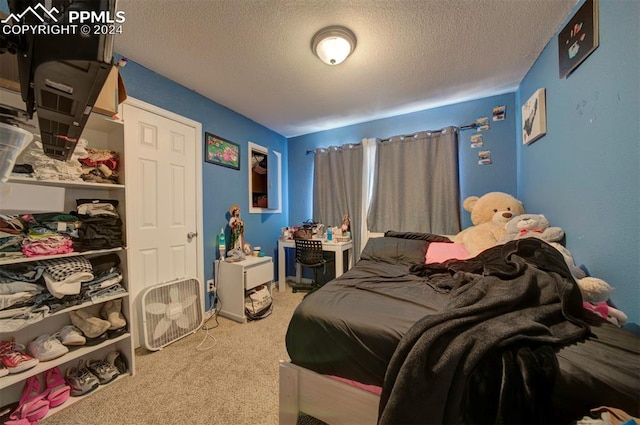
x=12, y=141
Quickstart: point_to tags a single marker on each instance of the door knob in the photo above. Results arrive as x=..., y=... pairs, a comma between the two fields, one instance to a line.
x=191, y=235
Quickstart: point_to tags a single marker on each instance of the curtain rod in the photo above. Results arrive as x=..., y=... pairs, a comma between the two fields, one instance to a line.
x=461, y=128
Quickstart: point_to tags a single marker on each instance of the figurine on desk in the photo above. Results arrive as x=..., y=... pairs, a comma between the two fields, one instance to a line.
x=346, y=224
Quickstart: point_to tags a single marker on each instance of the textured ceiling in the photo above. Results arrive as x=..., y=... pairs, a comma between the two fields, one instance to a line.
x=254, y=57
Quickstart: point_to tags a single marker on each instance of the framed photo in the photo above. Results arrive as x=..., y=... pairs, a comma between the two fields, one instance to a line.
x=534, y=117
x=578, y=38
x=221, y=151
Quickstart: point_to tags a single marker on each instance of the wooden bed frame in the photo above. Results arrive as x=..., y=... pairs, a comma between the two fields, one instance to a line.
x=324, y=398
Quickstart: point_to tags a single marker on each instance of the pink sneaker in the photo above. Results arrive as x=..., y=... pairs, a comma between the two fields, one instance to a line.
x=32, y=406
x=57, y=388
x=14, y=360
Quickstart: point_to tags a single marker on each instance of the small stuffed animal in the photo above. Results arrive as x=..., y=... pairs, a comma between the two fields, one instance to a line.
x=593, y=289
x=537, y=226
x=604, y=310
x=531, y=226
x=489, y=213
x=346, y=223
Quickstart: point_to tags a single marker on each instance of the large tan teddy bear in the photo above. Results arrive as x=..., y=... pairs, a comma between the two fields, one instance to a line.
x=489, y=214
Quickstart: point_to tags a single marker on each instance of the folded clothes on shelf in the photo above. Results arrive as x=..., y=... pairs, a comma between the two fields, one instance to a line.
x=64, y=276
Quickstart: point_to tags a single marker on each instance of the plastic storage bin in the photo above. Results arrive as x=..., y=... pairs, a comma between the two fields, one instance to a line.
x=12, y=141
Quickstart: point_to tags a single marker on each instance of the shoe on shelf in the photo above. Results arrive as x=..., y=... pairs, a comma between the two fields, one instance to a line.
x=111, y=311
x=57, y=389
x=90, y=326
x=33, y=406
x=103, y=370
x=116, y=332
x=5, y=412
x=97, y=340
x=47, y=347
x=13, y=357
x=70, y=335
x=81, y=380
x=116, y=359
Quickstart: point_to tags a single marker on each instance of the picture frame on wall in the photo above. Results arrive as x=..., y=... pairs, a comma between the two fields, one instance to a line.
x=579, y=38
x=534, y=117
x=221, y=151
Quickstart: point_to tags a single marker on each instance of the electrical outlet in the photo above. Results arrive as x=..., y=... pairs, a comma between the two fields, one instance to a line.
x=210, y=286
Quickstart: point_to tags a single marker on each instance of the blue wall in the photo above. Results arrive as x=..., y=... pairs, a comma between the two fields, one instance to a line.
x=475, y=179
x=583, y=174
x=221, y=186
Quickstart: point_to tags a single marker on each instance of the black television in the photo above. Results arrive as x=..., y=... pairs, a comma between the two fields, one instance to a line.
x=62, y=64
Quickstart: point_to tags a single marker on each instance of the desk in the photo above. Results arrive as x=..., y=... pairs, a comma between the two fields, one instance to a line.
x=336, y=247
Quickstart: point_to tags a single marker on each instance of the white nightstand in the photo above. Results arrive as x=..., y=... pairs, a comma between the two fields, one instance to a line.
x=236, y=278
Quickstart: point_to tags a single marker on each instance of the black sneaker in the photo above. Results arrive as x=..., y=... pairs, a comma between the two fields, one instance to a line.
x=5, y=412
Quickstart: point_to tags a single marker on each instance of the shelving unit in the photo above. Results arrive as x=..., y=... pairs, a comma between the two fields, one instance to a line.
x=102, y=133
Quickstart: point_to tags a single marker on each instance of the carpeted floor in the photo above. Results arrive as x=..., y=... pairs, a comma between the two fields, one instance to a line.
x=235, y=382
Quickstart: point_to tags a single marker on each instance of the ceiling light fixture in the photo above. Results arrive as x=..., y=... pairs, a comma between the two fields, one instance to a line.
x=333, y=44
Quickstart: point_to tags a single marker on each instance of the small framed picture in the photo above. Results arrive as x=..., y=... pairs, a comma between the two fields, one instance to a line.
x=534, y=117
x=579, y=38
x=221, y=151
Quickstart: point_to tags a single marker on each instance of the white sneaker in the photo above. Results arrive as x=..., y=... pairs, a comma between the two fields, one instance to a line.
x=47, y=347
x=70, y=335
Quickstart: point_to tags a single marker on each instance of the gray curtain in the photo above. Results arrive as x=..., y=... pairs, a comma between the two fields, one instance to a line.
x=337, y=188
x=416, y=186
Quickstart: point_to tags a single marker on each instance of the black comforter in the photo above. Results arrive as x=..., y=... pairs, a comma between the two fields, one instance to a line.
x=352, y=326
x=513, y=301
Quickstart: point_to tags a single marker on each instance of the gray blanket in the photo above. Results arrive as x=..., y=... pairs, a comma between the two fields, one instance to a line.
x=513, y=297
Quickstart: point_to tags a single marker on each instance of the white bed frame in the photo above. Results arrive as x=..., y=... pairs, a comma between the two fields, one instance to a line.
x=324, y=398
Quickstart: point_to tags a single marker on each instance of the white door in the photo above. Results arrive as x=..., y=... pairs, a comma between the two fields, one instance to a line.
x=162, y=180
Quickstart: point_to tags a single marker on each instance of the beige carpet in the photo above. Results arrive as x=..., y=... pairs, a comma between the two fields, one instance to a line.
x=235, y=382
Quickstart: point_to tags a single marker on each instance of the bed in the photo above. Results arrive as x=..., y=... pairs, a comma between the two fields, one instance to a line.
x=501, y=337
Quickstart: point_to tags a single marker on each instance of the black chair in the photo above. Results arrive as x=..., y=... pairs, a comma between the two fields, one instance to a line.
x=309, y=254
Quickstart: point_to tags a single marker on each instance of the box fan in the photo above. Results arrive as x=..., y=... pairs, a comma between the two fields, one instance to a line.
x=171, y=311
